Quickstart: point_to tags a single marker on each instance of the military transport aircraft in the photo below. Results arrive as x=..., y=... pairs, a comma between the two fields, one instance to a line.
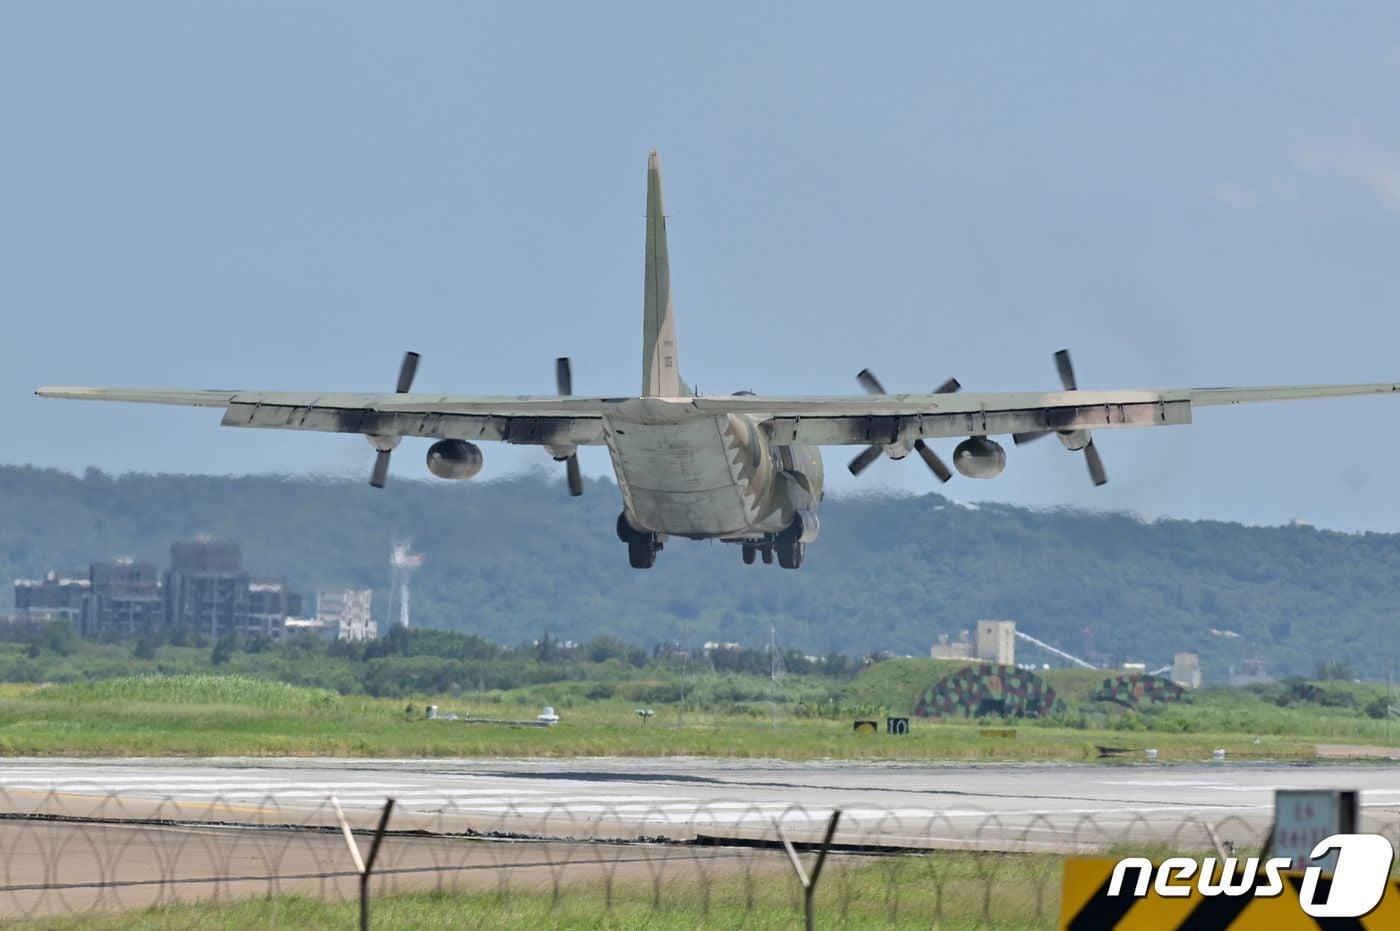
x=741, y=468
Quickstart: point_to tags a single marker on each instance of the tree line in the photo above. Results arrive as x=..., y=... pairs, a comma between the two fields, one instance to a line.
x=403, y=662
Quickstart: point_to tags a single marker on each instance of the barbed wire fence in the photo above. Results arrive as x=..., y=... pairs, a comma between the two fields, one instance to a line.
x=67, y=853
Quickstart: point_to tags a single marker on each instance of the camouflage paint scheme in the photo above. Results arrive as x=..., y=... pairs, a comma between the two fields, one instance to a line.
x=987, y=689
x=1139, y=690
x=1316, y=694
x=741, y=468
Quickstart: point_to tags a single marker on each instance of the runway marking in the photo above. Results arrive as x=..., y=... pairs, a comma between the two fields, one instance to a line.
x=1193, y=784
x=119, y=784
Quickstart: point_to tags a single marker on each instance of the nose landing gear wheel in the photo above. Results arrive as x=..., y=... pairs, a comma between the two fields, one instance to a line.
x=749, y=553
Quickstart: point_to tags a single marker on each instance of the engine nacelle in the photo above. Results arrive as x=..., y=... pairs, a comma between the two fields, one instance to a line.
x=1074, y=440
x=979, y=457
x=454, y=459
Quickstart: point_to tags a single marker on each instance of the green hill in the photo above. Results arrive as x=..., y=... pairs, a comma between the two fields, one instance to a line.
x=509, y=559
x=896, y=684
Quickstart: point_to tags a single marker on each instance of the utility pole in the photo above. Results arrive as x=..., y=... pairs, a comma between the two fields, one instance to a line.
x=685, y=663
x=773, y=676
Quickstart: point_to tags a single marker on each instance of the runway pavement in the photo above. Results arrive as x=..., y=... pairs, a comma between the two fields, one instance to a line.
x=1061, y=807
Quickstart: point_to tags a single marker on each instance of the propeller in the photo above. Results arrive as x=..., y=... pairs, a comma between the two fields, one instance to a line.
x=866, y=456
x=1065, y=368
x=1096, y=470
x=564, y=381
x=407, y=369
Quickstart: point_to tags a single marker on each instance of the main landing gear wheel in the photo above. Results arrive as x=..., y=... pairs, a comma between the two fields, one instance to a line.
x=750, y=552
x=768, y=555
x=641, y=551
x=641, y=546
x=790, y=548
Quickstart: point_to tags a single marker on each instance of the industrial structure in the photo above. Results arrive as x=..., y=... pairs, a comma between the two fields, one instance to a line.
x=1186, y=670
x=995, y=643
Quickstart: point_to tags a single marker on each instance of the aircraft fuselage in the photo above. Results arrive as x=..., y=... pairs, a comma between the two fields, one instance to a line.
x=705, y=476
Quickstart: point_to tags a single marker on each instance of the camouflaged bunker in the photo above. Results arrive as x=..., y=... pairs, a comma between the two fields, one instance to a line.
x=987, y=690
x=1139, y=690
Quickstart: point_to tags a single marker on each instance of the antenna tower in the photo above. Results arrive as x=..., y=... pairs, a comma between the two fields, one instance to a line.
x=404, y=562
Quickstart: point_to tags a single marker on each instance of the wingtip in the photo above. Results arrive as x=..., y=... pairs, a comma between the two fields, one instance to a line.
x=64, y=392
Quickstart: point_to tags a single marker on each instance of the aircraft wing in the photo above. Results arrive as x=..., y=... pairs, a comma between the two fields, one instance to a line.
x=891, y=418
x=806, y=420
x=529, y=420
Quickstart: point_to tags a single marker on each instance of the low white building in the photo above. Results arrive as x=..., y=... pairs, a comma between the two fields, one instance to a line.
x=347, y=610
x=341, y=614
x=308, y=625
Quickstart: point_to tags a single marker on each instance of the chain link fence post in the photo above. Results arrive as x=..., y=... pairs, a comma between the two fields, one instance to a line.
x=809, y=883
x=364, y=867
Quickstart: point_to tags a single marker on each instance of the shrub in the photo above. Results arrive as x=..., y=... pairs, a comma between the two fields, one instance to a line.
x=193, y=690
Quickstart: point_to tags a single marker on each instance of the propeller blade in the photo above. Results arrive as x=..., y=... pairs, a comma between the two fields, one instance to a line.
x=932, y=461
x=575, y=476
x=948, y=387
x=862, y=462
x=407, y=370
x=1066, y=369
x=1096, y=469
x=1019, y=438
x=381, y=468
x=564, y=376
x=869, y=382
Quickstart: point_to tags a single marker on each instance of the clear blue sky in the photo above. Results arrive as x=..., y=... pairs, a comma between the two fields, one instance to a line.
x=272, y=195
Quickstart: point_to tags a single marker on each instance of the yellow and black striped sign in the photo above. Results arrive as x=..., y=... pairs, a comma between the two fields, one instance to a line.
x=1085, y=905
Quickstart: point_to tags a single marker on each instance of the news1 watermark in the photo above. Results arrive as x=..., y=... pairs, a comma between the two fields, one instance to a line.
x=1355, y=887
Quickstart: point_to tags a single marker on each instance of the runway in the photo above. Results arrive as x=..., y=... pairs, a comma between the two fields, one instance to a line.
x=1037, y=807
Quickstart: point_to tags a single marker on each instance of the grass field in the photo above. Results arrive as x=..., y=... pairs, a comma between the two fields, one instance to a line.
x=229, y=715
x=949, y=890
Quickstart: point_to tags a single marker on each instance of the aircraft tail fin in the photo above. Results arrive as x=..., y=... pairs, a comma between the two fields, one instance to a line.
x=661, y=375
